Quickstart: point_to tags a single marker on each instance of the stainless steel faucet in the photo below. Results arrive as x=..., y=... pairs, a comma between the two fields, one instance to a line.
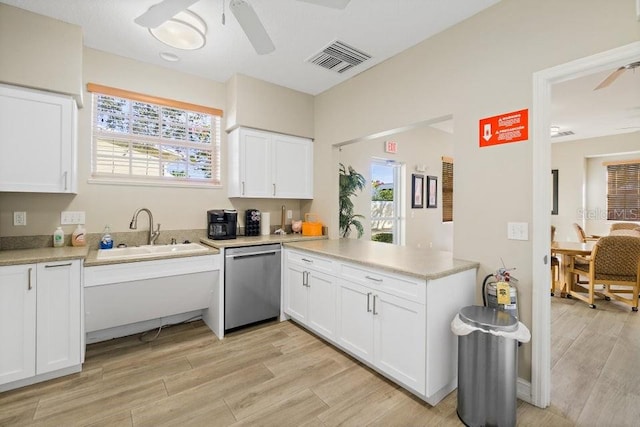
x=153, y=234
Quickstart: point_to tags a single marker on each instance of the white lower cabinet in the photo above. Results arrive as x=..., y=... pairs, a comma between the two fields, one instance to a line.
x=17, y=322
x=309, y=298
x=385, y=331
x=397, y=324
x=40, y=320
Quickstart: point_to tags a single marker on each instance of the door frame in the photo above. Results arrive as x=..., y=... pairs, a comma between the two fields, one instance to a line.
x=541, y=158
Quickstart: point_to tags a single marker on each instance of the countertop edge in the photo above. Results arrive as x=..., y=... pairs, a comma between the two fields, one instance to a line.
x=32, y=256
x=259, y=240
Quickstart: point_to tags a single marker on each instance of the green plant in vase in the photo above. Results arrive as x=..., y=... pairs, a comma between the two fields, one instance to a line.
x=350, y=183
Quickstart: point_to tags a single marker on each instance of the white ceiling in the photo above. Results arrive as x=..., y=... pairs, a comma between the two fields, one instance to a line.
x=589, y=113
x=381, y=28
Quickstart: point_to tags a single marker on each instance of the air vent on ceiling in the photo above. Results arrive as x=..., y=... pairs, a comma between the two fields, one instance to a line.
x=339, y=57
x=565, y=133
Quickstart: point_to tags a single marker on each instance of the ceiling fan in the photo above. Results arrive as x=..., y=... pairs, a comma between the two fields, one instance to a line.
x=241, y=9
x=617, y=73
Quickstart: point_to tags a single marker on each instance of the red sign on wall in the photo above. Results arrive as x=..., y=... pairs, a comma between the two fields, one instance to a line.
x=505, y=128
x=390, y=146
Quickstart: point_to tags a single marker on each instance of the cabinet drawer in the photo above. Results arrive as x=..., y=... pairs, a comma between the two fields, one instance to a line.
x=311, y=261
x=402, y=286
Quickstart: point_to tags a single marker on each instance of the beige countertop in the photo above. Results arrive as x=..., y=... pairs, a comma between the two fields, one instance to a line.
x=427, y=264
x=29, y=256
x=259, y=240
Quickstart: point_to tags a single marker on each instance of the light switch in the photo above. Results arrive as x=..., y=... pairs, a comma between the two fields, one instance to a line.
x=71, y=217
x=518, y=231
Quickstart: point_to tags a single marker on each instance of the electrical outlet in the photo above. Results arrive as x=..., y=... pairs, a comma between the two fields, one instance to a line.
x=72, y=217
x=289, y=214
x=19, y=218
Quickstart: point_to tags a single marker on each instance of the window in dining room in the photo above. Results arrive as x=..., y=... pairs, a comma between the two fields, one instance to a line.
x=623, y=190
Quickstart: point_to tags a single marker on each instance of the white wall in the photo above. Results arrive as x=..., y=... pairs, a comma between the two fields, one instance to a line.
x=423, y=146
x=479, y=68
x=582, y=181
x=174, y=208
x=49, y=56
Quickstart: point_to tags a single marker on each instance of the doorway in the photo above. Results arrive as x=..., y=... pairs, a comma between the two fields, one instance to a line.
x=541, y=118
x=386, y=202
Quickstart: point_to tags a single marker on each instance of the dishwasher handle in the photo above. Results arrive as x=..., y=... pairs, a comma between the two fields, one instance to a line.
x=251, y=255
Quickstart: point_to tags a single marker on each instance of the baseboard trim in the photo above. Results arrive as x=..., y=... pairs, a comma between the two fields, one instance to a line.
x=523, y=392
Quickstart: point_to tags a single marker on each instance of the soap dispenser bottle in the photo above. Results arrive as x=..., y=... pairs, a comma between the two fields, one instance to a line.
x=106, y=242
x=79, y=236
x=58, y=238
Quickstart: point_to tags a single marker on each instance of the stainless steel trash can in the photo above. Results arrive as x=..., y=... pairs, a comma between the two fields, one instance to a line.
x=487, y=368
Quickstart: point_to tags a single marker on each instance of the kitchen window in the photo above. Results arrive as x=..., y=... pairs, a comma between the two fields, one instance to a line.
x=623, y=190
x=140, y=139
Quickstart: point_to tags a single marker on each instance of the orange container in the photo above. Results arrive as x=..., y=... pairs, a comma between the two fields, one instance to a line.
x=311, y=226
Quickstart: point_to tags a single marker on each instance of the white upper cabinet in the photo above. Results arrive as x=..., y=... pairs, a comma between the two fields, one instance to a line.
x=269, y=165
x=37, y=141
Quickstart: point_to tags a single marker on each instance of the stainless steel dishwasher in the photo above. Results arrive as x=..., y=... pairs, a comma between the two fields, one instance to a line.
x=251, y=285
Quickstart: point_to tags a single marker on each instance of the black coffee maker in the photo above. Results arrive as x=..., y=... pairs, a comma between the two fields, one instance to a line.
x=222, y=224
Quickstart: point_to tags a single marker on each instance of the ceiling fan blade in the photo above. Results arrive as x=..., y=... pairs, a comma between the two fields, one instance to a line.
x=611, y=78
x=159, y=13
x=252, y=26
x=334, y=4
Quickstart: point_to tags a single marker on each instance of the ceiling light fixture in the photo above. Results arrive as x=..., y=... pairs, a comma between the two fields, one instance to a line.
x=555, y=130
x=185, y=31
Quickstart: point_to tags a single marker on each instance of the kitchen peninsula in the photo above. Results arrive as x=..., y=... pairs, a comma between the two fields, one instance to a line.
x=389, y=306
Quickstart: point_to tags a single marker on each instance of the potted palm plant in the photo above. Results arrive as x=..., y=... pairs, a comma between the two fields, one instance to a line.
x=350, y=183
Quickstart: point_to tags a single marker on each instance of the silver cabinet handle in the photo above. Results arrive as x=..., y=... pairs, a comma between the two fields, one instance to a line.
x=305, y=278
x=274, y=189
x=243, y=188
x=374, y=305
x=65, y=180
x=368, y=302
x=57, y=265
x=373, y=278
x=29, y=287
x=307, y=260
x=308, y=285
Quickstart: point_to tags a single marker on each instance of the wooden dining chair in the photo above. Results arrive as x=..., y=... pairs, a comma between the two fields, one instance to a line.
x=582, y=236
x=614, y=264
x=624, y=226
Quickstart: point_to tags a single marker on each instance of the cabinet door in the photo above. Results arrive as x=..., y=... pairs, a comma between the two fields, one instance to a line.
x=58, y=324
x=37, y=141
x=17, y=322
x=292, y=167
x=355, y=321
x=399, y=336
x=255, y=164
x=322, y=303
x=295, y=293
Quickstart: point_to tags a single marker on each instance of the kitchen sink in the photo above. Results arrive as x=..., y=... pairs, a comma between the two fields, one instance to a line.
x=150, y=251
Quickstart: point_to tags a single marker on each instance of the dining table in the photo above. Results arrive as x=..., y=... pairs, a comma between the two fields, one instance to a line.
x=568, y=251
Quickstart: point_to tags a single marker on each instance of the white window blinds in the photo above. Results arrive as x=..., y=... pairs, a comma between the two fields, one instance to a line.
x=138, y=140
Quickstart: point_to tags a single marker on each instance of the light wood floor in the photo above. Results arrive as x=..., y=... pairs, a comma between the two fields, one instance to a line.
x=280, y=375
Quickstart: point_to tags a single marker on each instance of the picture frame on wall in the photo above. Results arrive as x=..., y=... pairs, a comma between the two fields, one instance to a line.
x=417, y=191
x=432, y=191
x=554, y=192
